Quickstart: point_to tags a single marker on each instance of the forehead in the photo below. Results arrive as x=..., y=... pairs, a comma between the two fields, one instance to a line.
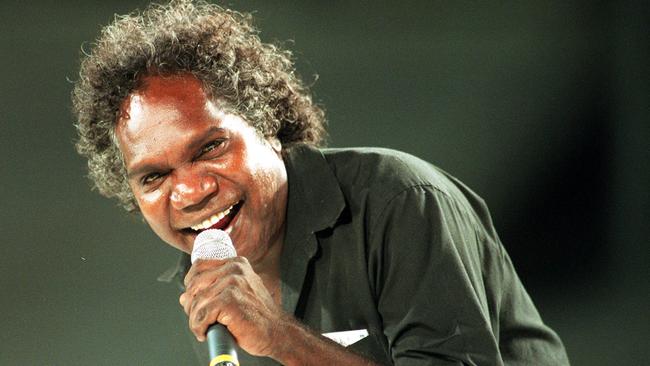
x=161, y=95
x=163, y=111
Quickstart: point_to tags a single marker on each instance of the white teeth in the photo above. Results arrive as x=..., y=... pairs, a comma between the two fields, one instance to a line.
x=211, y=220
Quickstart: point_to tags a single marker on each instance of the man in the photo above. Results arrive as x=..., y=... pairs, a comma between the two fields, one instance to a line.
x=187, y=117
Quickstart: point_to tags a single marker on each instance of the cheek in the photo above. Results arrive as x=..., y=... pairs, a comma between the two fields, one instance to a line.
x=153, y=209
x=270, y=201
x=151, y=198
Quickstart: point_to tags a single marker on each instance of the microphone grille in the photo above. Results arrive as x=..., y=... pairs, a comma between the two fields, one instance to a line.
x=213, y=244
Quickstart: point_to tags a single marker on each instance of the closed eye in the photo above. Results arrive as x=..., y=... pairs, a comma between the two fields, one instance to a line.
x=211, y=146
x=150, y=178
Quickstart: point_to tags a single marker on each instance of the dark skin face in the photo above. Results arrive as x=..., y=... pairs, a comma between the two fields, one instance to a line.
x=192, y=165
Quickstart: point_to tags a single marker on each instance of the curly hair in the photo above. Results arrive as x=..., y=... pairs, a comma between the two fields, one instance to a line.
x=220, y=47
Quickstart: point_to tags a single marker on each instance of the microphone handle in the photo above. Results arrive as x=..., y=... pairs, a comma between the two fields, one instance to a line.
x=221, y=346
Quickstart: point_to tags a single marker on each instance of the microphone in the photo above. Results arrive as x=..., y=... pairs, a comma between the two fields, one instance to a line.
x=216, y=244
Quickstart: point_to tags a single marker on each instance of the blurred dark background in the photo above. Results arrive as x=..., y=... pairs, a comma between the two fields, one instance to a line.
x=541, y=106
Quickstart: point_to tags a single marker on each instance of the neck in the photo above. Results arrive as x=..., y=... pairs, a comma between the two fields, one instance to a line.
x=269, y=270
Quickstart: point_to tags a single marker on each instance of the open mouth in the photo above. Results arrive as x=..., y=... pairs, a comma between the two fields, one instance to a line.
x=217, y=221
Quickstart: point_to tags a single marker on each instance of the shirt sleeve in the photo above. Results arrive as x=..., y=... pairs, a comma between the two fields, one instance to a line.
x=446, y=290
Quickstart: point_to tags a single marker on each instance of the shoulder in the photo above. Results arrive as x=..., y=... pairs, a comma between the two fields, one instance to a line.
x=371, y=180
x=386, y=171
x=382, y=178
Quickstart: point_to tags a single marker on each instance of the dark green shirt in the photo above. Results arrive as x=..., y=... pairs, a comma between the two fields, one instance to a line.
x=382, y=241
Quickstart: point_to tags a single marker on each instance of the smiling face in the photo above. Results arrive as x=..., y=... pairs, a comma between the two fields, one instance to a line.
x=193, y=165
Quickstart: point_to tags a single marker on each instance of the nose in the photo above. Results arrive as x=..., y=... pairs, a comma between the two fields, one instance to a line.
x=192, y=187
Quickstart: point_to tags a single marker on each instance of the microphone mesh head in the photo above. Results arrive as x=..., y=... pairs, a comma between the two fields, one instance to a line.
x=213, y=244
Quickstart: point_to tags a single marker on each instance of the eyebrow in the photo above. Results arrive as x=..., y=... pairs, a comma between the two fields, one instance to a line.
x=193, y=145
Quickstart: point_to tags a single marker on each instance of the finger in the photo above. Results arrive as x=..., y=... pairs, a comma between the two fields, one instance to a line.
x=203, y=311
x=200, y=293
x=205, y=275
x=206, y=306
x=184, y=300
x=206, y=272
x=209, y=308
x=200, y=267
x=214, y=289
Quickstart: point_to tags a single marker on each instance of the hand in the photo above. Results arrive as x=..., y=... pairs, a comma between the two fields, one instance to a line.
x=231, y=293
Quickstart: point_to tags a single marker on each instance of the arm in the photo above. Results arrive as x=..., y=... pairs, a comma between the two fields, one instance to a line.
x=302, y=346
x=230, y=292
x=447, y=292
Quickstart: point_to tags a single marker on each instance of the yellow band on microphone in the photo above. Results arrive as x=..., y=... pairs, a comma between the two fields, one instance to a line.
x=224, y=358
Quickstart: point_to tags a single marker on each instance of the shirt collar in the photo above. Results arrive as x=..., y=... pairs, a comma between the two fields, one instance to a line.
x=315, y=203
x=315, y=199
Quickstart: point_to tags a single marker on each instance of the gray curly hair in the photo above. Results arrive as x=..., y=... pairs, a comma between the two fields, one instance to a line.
x=218, y=46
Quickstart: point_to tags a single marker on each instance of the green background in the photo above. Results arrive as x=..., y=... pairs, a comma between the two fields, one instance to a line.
x=541, y=106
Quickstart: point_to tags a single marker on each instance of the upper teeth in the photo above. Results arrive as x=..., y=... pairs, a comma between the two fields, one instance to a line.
x=212, y=220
